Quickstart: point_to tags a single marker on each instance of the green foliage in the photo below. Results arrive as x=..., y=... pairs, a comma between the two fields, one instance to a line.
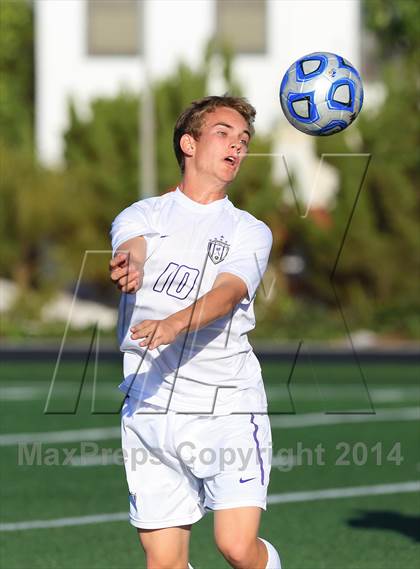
x=16, y=72
x=290, y=318
x=171, y=96
x=34, y=214
x=396, y=25
x=42, y=213
x=26, y=217
x=101, y=152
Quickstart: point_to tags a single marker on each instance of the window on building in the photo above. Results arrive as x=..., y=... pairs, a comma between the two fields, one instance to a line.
x=113, y=27
x=242, y=25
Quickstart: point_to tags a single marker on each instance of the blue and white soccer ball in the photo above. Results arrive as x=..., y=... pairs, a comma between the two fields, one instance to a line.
x=321, y=93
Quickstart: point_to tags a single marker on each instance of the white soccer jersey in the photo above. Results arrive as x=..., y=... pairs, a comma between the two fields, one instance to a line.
x=214, y=369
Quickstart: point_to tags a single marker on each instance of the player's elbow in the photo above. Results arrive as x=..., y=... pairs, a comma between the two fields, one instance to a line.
x=239, y=291
x=231, y=296
x=234, y=288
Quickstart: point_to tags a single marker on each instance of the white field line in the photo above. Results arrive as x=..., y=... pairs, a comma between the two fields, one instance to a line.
x=327, y=494
x=350, y=492
x=101, y=433
x=64, y=522
x=309, y=392
x=277, y=421
x=319, y=419
x=20, y=393
x=40, y=392
x=328, y=392
x=100, y=460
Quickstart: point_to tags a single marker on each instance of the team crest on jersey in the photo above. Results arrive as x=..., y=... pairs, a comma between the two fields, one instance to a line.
x=218, y=249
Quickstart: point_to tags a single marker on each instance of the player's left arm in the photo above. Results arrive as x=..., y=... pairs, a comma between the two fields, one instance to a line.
x=228, y=290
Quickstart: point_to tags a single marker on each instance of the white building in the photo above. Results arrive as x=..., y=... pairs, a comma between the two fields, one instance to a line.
x=87, y=48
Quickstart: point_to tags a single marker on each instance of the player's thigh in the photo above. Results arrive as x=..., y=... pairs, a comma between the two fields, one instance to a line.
x=242, y=447
x=236, y=527
x=163, y=494
x=167, y=547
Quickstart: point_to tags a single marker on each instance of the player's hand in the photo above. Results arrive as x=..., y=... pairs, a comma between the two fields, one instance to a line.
x=155, y=333
x=124, y=274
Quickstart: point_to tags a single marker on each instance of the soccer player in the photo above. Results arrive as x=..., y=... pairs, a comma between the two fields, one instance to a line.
x=195, y=430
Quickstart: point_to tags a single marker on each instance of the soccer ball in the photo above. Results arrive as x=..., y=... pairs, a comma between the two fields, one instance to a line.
x=321, y=93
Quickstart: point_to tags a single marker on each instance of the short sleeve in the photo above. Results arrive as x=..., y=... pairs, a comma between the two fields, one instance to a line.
x=134, y=221
x=249, y=256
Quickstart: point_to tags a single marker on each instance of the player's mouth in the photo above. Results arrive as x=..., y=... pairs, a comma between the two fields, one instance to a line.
x=232, y=161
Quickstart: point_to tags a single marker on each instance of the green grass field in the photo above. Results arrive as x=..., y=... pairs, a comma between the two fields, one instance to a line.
x=357, y=454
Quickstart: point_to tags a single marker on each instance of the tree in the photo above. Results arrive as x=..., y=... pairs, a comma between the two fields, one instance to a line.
x=396, y=26
x=17, y=91
x=43, y=222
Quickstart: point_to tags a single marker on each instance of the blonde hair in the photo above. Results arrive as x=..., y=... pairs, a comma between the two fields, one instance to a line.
x=191, y=120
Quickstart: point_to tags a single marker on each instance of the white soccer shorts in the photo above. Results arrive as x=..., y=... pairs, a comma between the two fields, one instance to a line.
x=180, y=465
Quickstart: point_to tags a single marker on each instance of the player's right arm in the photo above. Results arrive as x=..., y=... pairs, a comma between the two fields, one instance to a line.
x=126, y=267
x=129, y=232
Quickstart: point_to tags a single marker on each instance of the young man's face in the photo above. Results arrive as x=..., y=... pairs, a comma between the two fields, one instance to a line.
x=222, y=145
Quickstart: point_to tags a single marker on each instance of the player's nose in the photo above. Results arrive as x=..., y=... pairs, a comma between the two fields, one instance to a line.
x=236, y=146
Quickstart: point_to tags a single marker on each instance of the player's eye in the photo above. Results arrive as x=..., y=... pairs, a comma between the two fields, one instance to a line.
x=222, y=132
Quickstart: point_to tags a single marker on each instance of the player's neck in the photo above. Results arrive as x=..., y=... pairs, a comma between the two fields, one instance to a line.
x=202, y=192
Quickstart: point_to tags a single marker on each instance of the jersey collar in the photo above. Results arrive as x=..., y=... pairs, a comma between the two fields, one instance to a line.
x=185, y=201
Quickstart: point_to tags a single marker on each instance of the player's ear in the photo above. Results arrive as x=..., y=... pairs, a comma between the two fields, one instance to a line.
x=187, y=144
